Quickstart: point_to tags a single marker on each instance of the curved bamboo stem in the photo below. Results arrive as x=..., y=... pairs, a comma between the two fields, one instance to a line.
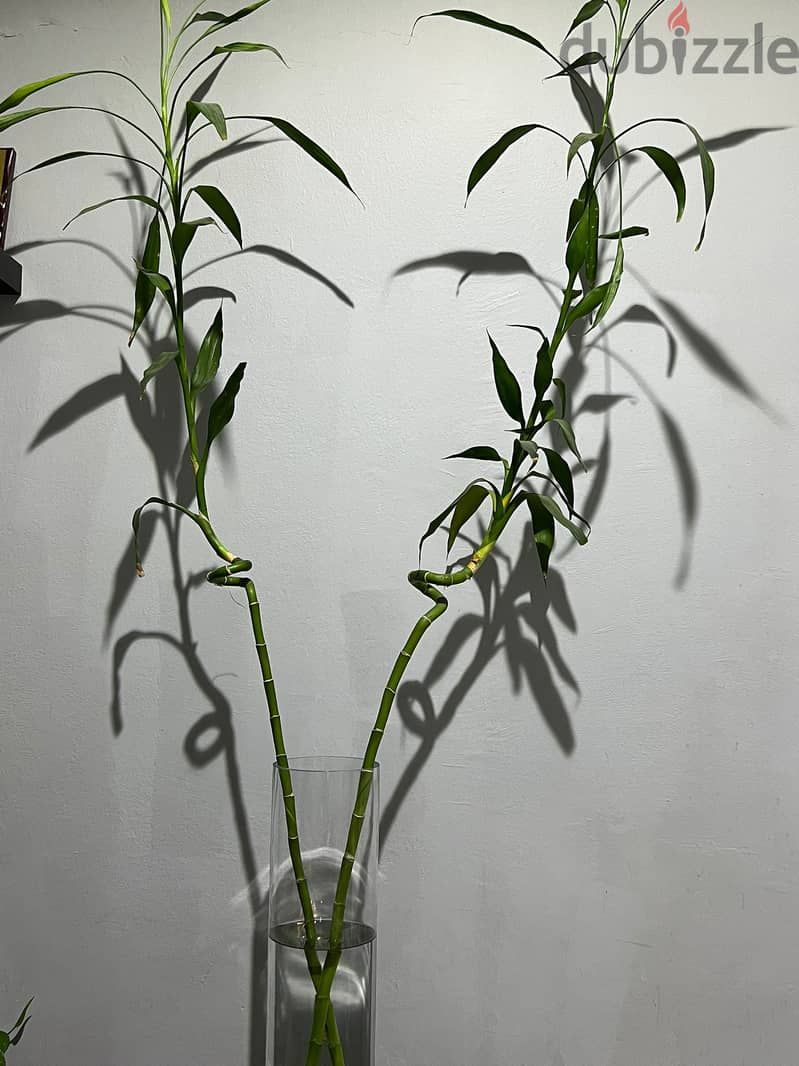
x=429, y=584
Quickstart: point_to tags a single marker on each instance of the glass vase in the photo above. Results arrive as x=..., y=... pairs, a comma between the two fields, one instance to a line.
x=320, y=792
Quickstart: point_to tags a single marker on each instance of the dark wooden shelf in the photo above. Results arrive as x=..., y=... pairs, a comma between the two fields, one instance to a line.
x=10, y=276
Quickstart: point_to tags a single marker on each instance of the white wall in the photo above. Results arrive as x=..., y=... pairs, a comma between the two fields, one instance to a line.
x=632, y=903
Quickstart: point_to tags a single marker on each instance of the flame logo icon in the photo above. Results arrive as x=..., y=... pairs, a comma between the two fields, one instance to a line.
x=678, y=19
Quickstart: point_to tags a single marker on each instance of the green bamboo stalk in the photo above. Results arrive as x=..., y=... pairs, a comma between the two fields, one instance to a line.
x=428, y=584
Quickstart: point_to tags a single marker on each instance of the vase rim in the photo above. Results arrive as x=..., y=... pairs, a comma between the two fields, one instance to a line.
x=325, y=764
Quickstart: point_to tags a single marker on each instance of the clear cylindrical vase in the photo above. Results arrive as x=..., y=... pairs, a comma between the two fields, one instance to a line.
x=317, y=797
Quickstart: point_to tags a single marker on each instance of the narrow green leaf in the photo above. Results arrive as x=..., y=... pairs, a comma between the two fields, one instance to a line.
x=560, y=385
x=587, y=304
x=491, y=155
x=167, y=14
x=568, y=435
x=312, y=148
x=550, y=505
x=489, y=24
x=15, y=1039
x=145, y=290
x=440, y=518
x=467, y=506
x=207, y=365
x=542, y=377
x=586, y=12
x=485, y=453
x=588, y=59
x=5, y=1042
x=162, y=283
x=221, y=207
x=155, y=368
x=212, y=112
x=613, y=285
x=508, y=388
x=24, y=91
x=223, y=407
x=577, y=248
x=247, y=46
x=708, y=179
x=543, y=531
x=23, y=1017
x=7, y=121
x=577, y=143
x=561, y=471
x=184, y=233
x=670, y=169
x=529, y=447
x=592, y=241
x=628, y=231
x=226, y=20
x=65, y=157
x=115, y=200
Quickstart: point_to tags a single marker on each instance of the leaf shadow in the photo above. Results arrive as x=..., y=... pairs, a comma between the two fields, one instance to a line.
x=516, y=622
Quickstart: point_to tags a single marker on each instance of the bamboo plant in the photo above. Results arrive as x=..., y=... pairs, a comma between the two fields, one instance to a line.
x=535, y=479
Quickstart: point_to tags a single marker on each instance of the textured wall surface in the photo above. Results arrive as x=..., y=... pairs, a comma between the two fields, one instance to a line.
x=591, y=855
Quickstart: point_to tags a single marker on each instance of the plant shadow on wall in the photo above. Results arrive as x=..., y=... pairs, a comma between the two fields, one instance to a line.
x=156, y=416
x=520, y=610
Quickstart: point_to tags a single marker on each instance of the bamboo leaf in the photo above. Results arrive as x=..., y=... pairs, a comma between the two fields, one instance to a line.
x=184, y=233
x=155, y=368
x=577, y=143
x=484, y=453
x=222, y=208
x=568, y=435
x=708, y=179
x=577, y=248
x=508, y=388
x=312, y=148
x=440, y=518
x=543, y=531
x=15, y=1039
x=560, y=385
x=162, y=283
x=592, y=241
x=7, y=121
x=115, y=200
x=145, y=290
x=489, y=24
x=587, y=304
x=247, y=46
x=491, y=155
x=628, y=231
x=23, y=1017
x=588, y=59
x=223, y=407
x=223, y=20
x=212, y=112
x=67, y=156
x=561, y=471
x=612, y=286
x=19, y=95
x=467, y=506
x=542, y=377
x=586, y=12
x=551, y=505
x=207, y=365
x=670, y=169
x=167, y=14
x=530, y=448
